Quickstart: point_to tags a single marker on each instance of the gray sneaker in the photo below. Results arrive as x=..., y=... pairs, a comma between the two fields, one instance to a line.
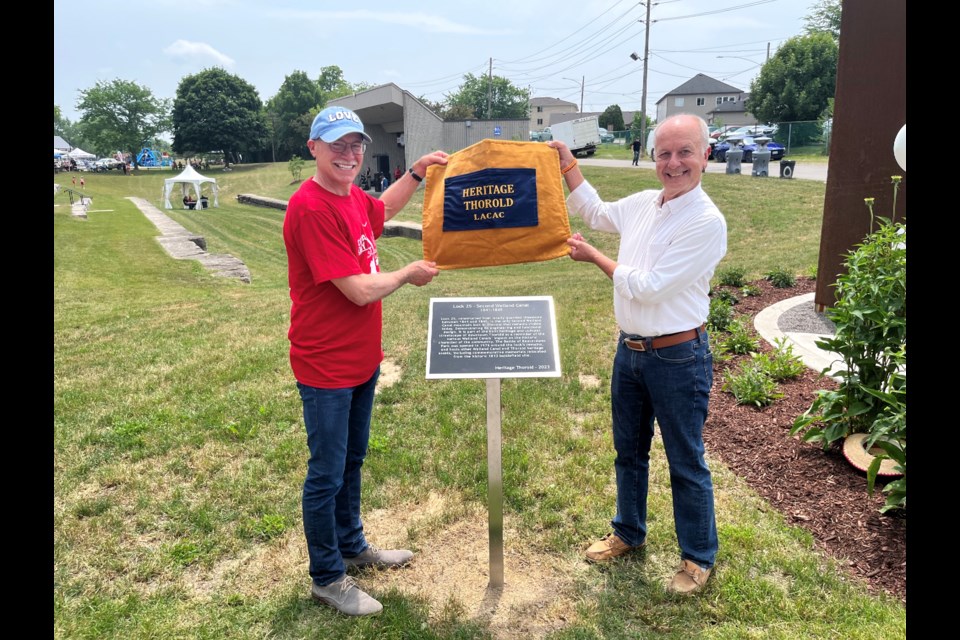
x=346, y=597
x=374, y=557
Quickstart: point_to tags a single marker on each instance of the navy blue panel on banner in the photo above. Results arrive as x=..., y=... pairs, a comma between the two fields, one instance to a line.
x=490, y=199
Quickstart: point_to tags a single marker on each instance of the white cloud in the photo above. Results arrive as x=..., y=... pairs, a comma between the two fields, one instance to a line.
x=187, y=49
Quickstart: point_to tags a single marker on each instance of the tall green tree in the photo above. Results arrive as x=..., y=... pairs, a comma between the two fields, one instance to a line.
x=471, y=99
x=298, y=96
x=218, y=111
x=121, y=115
x=332, y=84
x=824, y=17
x=797, y=82
x=612, y=117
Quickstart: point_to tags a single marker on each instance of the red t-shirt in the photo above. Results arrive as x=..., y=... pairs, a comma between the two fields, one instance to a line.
x=333, y=342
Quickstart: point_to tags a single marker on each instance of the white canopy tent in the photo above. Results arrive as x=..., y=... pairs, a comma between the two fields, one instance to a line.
x=189, y=177
x=80, y=154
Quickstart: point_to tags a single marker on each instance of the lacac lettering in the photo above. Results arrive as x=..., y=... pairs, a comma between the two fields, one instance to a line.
x=490, y=215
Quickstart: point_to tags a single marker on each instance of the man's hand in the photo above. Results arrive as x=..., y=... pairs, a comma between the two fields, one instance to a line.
x=420, y=166
x=582, y=251
x=421, y=272
x=563, y=151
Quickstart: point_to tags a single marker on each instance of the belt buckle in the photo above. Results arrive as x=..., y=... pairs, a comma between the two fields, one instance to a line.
x=635, y=345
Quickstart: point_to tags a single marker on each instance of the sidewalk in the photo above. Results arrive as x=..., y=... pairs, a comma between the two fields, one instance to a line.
x=797, y=320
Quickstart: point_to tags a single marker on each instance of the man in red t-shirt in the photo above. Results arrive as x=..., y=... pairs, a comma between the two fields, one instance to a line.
x=330, y=231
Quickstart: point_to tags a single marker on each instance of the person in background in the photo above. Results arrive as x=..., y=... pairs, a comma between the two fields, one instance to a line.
x=398, y=173
x=336, y=286
x=636, y=151
x=671, y=240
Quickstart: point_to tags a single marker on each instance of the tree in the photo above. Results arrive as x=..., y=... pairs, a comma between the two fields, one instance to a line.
x=297, y=97
x=824, y=17
x=471, y=98
x=797, y=82
x=635, y=131
x=332, y=84
x=612, y=117
x=69, y=131
x=217, y=111
x=121, y=115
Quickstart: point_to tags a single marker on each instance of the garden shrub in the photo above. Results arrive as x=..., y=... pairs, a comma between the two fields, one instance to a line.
x=870, y=317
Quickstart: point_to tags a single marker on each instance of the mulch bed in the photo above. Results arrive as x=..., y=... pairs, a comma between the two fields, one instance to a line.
x=815, y=489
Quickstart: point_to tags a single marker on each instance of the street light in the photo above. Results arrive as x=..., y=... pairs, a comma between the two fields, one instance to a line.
x=582, y=80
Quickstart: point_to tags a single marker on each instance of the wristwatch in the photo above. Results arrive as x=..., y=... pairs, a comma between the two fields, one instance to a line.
x=415, y=176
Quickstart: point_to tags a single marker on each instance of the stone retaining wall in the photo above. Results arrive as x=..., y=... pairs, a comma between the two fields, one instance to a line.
x=391, y=229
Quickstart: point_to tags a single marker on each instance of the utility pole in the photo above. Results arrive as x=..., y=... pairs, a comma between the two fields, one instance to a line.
x=489, y=87
x=583, y=79
x=643, y=98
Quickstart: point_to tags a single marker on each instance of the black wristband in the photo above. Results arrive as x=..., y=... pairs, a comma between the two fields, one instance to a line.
x=415, y=176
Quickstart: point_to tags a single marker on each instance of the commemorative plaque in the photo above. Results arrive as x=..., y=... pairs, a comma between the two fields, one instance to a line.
x=493, y=338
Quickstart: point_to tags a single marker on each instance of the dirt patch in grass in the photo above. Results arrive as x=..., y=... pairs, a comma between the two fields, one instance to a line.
x=451, y=571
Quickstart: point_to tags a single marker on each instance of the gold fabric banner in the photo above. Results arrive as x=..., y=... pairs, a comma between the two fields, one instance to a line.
x=496, y=202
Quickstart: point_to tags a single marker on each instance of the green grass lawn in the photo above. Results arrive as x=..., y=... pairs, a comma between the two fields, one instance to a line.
x=179, y=450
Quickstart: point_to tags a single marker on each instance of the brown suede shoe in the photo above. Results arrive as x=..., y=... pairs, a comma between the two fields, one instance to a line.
x=690, y=578
x=609, y=547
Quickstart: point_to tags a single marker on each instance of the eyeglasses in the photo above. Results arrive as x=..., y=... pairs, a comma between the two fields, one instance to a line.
x=339, y=147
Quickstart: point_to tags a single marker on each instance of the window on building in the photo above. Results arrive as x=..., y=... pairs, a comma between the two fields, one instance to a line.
x=678, y=102
x=539, y=120
x=701, y=102
x=539, y=109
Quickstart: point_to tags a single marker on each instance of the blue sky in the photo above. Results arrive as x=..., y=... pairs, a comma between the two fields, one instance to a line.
x=551, y=47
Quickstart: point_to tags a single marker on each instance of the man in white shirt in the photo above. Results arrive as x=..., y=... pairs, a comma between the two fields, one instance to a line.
x=671, y=241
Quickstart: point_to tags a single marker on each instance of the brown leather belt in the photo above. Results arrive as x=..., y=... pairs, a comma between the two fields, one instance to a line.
x=661, y=342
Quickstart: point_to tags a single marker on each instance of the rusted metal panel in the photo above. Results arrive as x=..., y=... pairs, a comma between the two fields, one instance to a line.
x=869, y=108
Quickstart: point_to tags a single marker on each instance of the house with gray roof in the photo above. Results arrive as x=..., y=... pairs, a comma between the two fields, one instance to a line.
x=700, y=95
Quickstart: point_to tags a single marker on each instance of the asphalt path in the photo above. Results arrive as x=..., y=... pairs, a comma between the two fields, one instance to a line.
x=801, y=171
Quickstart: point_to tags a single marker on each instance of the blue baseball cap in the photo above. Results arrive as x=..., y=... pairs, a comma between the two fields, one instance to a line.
x=335, y=122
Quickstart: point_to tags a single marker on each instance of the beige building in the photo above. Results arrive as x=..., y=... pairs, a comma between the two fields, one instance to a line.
x=541, y=110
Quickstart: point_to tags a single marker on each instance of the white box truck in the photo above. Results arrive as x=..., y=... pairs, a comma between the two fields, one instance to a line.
x=581, y=135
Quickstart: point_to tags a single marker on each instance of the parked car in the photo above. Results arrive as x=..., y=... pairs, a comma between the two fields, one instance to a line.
x=546, y=135
x=605, y=136
x=106, y=164
x=718, y=132
x=749, y=145
x=754, y=130
x=534, y=136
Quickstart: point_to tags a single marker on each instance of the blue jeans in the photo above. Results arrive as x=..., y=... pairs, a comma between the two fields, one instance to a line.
x=672, y=385
x=338, y=430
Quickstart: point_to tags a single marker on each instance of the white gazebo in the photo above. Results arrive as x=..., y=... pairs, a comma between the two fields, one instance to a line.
x=189, y=177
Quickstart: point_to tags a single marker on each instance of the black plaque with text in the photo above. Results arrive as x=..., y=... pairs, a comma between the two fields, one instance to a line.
x=492, y=338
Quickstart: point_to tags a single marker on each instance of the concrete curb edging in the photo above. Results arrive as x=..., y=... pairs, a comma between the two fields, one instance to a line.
x=180, y=244
x=802, y=339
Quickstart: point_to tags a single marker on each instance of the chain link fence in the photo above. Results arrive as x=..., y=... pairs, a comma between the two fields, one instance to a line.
x=812, y=136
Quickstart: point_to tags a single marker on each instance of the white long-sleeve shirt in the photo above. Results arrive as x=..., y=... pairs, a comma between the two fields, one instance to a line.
x=668, y=253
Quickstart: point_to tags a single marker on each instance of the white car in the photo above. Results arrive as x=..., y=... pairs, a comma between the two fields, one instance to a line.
x=106, y=164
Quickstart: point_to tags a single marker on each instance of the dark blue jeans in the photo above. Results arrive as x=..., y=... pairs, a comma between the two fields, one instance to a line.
x=672, y=385
x=338, y=430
